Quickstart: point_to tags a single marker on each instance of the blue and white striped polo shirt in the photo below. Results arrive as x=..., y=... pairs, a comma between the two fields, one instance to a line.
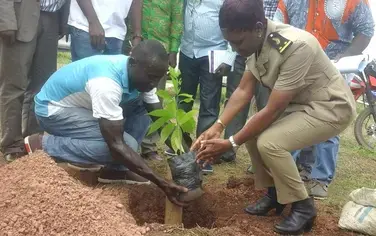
x=98, y=83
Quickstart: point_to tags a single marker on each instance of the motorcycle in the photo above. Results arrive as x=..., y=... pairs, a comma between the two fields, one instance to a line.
x=362, y=83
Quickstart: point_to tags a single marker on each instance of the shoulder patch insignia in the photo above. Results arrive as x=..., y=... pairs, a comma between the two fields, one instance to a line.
x=279, y=42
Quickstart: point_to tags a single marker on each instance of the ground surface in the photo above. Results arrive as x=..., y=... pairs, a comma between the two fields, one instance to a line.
x=27, y=185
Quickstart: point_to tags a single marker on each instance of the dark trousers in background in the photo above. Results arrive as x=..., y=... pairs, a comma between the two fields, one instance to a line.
x=261, y=96
x=195, y=72
x=24, y=68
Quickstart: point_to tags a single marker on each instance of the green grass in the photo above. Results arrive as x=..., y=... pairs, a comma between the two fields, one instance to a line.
x=63, y=58
x=356, y=166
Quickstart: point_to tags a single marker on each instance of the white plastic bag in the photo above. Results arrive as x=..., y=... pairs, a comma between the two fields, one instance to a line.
x=359, y=214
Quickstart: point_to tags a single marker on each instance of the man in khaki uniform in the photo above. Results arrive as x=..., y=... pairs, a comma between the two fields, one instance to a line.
x=29, y=33
x=309, y=103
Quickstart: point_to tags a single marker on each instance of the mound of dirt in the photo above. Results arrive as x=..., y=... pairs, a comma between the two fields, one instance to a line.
x=218, y=208
x=39, y=198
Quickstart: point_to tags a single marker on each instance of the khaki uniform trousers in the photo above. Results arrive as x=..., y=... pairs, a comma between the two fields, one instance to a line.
x=270, y=152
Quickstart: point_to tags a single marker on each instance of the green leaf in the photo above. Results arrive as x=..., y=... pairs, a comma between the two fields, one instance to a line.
x=164, y=95
x=160, y=113
x=188, y=116
x=166, y=132
x=176, y=140
x=186, y=95
x=180, y=115
x=176, y=85
x=189, y=126
x=187, y=100
x=158, y=124
x=171, y=108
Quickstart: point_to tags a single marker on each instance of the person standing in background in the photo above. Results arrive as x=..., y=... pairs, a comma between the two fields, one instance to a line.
x=342, y=30
x=29, y=34
x=233, y=80
x=98, y=27
x=162, y=20
x=202, y=34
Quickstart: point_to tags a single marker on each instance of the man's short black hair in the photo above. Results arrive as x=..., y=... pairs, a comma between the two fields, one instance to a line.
x=241, y=14
x=150, y=52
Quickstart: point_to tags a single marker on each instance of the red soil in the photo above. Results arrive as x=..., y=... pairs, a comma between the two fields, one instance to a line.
x=39, y=198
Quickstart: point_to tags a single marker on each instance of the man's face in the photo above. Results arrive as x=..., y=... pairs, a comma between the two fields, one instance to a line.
x=145, y=78
x=243, y=42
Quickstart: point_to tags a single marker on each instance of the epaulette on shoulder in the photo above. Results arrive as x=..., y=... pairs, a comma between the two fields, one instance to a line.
x=279, y=42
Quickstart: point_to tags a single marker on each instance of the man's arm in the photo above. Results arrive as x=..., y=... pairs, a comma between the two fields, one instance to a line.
x=288, y=85
x=112, y=132
x=281, y=13
x=362, y=24
x=136, y=17
x=8, y=21
x=240, y=98
x=63, y=19
x=96, y=30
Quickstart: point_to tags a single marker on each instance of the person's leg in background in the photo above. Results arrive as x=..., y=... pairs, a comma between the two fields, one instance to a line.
x=42, y=67
x=149, y=144
x=323, y=168
x=114, y=46
x=81, y=45
x=15, y=62
x=210, y=98
x=75, y=137
x=233, y=80
x=137, y=121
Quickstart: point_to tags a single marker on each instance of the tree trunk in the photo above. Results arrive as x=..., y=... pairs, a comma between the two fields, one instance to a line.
x=173, y=213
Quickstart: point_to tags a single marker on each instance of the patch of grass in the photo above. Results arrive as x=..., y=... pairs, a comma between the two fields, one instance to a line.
x=63, y=58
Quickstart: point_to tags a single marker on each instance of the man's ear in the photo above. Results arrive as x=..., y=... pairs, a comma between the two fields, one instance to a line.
x=259, y=27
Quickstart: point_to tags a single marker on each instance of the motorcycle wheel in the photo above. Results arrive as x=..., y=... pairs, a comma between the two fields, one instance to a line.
x=361, y=133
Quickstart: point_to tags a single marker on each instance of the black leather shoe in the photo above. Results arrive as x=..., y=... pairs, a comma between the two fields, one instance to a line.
x=301, y=218
x=266, y=204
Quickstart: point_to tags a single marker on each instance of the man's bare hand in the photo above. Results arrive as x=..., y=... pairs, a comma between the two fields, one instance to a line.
x=9, y=36
x=172, y=192
x=97, y=36
x=172, y=59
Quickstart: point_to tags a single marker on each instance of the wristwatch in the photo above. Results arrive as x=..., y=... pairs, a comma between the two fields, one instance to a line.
x=234, y=145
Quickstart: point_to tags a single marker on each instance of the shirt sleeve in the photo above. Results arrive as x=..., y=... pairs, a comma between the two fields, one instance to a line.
x=8, y=19
x=294, y=69
x=361, y=19
x=176, y=29
x=105, y=96
x=281, y=14
x=150, y=97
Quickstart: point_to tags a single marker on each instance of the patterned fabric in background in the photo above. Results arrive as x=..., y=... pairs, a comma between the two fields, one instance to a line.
x=51, y=5
x=270, y=6
x=333, y=22
x=162, y=20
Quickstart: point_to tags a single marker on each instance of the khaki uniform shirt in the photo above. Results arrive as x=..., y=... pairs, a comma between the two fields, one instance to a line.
x=303, y=65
